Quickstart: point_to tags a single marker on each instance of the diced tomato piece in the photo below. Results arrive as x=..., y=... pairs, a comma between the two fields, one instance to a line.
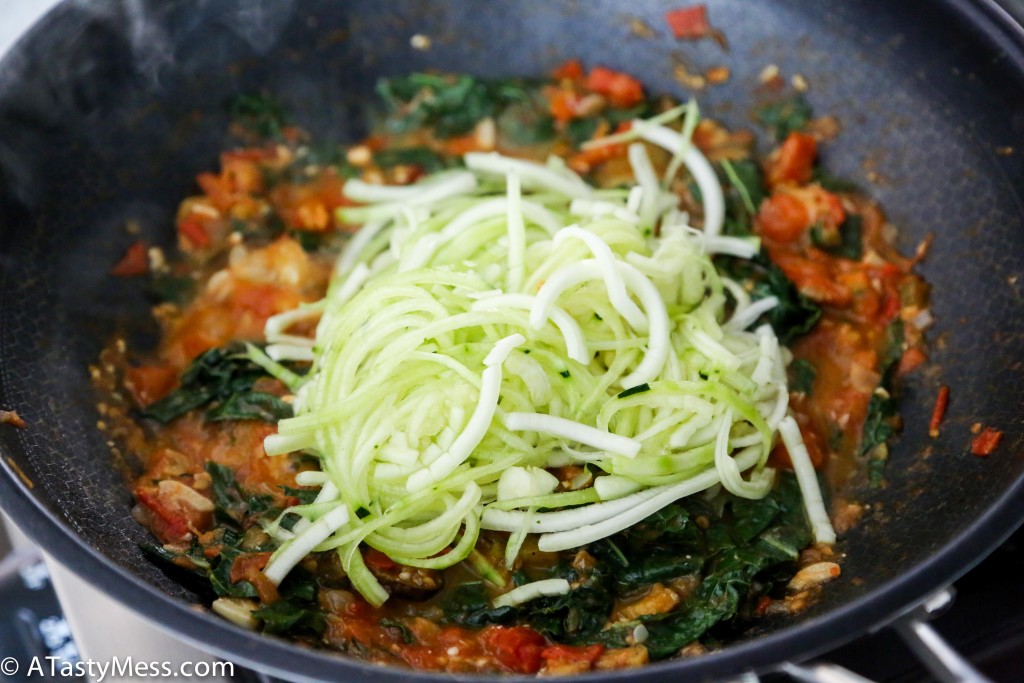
x=150, y=383
x=780, y=455
x=782, y=217
x=812, y=278
x=375, y=559
x=134, y=262
x=983, y=444
x=622, y=90
x=171, y=521
x=891, y=305
x=194, y=233
x=689, y=22
x=240, y=174
x=517, y=648
x=911, y=359
x=793, y=162
x=572, y=653
x=562, y=104
x=217, y=188
x=572, y=70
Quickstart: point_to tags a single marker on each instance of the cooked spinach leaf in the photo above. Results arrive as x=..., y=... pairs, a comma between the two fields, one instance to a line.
x=785, y=116
x=795, y=315
x=580, y=130
x=744, y=192
x=845, y=242
x=730, y=572
x=223, y=377
x=260, y=115
x=831, y=182
x=449, y=105
x=175, y=289
x=250, y=405
x=802, y=374
x=423, y=157
x=470, y=605
x=291, y=616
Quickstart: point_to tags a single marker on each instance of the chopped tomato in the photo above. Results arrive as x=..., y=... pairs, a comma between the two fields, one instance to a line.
x=911, y=359
x=562, y=104
x=218, y=189
x=782, y=217
x=173, y=516
x=780, y=455
x=249, y=567
x=150, y=383
x=983, y=444
x=813, y=278
x=572, y=653
x=586, y=160
x=375, y=559
x=517, y=648
x=622, y=90
x=194, y=233
x=571, y=70
x=134, y=262
x=793, y=161
x=689, y=22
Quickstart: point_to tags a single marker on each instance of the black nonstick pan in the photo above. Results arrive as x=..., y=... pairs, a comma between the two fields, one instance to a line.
x=108, y=109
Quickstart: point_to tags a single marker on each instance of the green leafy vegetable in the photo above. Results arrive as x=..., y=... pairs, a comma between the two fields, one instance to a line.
x=731, y=571
x=260, y=115
x=449, y=105
x=470, y=605
x=223, y=377
x=785, y=116
x=175, y=289
x=796, y=315
x=423, y=157
x=744, y=192
x=832, y=183
x=802, y=374
x=581, y=130
x=845, y=242
x=292, y=617
x=230, y=506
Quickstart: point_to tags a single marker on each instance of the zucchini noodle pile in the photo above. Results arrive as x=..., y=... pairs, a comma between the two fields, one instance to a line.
x=489, y=322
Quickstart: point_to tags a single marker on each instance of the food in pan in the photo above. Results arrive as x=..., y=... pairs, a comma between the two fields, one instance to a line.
x=543, y=376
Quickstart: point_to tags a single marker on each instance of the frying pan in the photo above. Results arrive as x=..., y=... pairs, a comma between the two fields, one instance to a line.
x=109, y=108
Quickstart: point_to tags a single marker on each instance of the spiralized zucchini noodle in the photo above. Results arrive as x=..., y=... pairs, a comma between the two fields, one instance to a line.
x=490, y=322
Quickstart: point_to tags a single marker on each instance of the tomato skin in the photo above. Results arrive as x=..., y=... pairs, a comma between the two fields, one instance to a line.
x=793, y=162
x=688, y=22
x=622, y=90
x=134, y=262
x=572, y=653
x=983, y=444
x=782, y=217
x=194, y=233
x=562, y=104
x=150, y=383
x=517, y=648
x=571, y=70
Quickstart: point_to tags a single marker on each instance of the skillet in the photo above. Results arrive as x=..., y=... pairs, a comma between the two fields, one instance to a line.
x=109, y=108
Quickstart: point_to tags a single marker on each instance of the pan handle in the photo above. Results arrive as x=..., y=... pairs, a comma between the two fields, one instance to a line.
x=945, y=663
